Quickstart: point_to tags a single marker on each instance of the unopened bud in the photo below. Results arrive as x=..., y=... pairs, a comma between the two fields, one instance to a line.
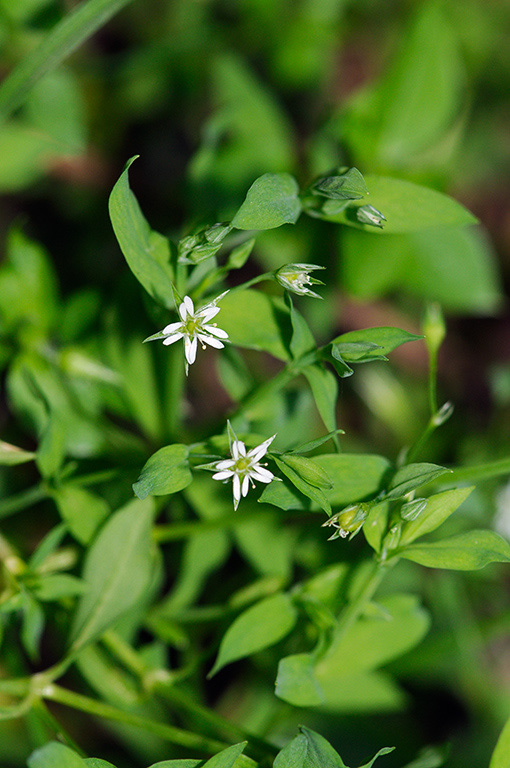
x=443, y=414
x=433, y=327
x=295, y=278
x=413, y=509
x=367, y=214
x=347, y=521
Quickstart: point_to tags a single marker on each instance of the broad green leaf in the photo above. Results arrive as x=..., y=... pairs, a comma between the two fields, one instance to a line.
x=266, y=544
x=385, y=340
x=501, y=755
x=11, y=455
x=355, y=477
x=117, y=572
x=146, y=252
x=408, y=207
x=454, y=266
x=308, y=750
x=55, y=755
x=439, y=508
x=256, y=321
x=412, y=476
x=324, y=388
x=465, y=552
x=63, y=39
x=82, y=510
x=272, y=200
x=317, y=495
x=167, y=471
x=203, y=554
x=373, y=641
x=96, y=762
x=227, y=757
x=260, y=626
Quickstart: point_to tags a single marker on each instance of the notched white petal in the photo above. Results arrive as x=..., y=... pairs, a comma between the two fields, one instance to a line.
x=212, y=329
x=224, y=475
x=171, y=339
x=261, y=450
x=261, y=474
x=190, y=349
x=171, y=327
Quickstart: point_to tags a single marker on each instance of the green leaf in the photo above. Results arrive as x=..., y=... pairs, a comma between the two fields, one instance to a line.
x=296, y=681
x=373, y=641
x=355, y=477
x=238, y=257
x=376, y=524
x=465, y=552
x=51, y=450
x=82, y=510
x=380, y=753
x=96, y=762
x=412, y=476
x=64, y=38
x=11, y=455
x=117, y=572
x=501, y=755
x=407, y=207
x=260, y=626
x=256, y=321
x=346, y=186
x=267, y=545
x=324, y=388
x=439, y=508
x=308, y=470
x=184, y=763
x=227, y=757
x=146, y=252
x=272, y=200
x=302, y=340
x=311, y=491
x=384, y=339
x=56, y=108
x=55, y=586
x=54, y=755
x=308, y=750
x=167, y=471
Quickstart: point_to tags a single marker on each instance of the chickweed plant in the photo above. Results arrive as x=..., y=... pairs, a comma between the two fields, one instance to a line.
x=230, y=576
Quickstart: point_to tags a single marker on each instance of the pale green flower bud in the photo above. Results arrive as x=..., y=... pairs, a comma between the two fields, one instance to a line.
x=295, y=278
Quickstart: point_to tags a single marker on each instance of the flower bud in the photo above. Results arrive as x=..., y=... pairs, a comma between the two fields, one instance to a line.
x=412, y=509
x=433, y=327
x=367, y=214
x=295, y=278
x=347, y=521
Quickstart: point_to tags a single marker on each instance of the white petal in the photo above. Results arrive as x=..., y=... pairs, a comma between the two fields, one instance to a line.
x=261, y=474
x=225, y=464
x=208, y=312
x=190, y=349
x=215, y=331
x=189, y=305
x=171, y=328
x=245, y=486
x=236, y=489
x=238, y=449
x=261, y=450
x=223, y=475
x=172, y=338
x=211, y=341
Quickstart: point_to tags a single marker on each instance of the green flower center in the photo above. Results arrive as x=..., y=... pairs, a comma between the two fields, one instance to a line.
x=242, y=464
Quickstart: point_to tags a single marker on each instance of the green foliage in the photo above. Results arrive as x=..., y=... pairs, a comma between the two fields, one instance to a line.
x=465, y=552
x=272, y=200
x=167, y=471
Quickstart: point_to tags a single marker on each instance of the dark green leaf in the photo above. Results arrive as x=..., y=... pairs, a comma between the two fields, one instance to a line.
x=465, y=552
x=260, y=626
x=146, y=252
x=272, y=200
x=167, y=471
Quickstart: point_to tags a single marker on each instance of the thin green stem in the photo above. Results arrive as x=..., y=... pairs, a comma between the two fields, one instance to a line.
x=433, y=381
x=101, y=709
x=22, y=500
x=253, y=281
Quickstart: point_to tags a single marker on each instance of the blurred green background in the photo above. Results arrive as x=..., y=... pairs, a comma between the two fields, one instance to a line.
x=211, y=95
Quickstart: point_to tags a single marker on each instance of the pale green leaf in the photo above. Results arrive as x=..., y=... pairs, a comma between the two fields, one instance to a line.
x=96, y=762
x=385, y=339
x=465, y=552
x=82, y=510
x=308, y=750
x=227, y=757
x=439, y=508
x=412, y=476
x=256, y=321
x=55, y=755
x=117, y=571
x=324, y=388
x=11, y=455
x=260, y=626
x=501, y=755
x=167, y=471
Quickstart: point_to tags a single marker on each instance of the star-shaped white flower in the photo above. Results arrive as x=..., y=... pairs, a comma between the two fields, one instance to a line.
x=244, y=467
x=296, y=278
x=193, y=327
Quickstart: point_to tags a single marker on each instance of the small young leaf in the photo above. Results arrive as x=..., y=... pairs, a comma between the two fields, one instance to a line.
x=239, y=256
x=439, y=508
x=465, y=552
x=296, y=682
x=344, y=186
x=54, y=586
x=272, y=200
x=11, y=455
x=339, y=363
x=314, y=493
x=258, y=627
x=118, y=571
x=55, y=755
x=412, y=476
x=167, y=471
x=227, y=757
x=146, y=252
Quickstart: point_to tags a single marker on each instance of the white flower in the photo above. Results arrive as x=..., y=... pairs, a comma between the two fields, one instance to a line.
x=193, y=327
x=244, y=467
x=295, y=278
